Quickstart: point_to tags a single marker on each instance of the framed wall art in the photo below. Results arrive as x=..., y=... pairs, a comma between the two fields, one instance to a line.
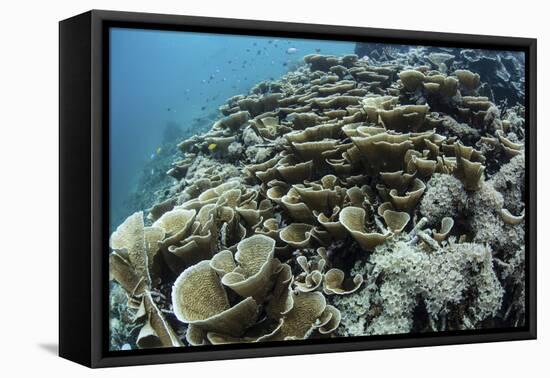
x=234, y=188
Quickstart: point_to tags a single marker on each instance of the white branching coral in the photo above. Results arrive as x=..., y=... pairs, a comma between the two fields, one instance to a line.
x=444, y=197
x=404, y=276
x=486, y=207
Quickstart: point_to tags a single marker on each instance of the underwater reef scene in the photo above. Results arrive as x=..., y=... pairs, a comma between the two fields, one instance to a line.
x=373, y=193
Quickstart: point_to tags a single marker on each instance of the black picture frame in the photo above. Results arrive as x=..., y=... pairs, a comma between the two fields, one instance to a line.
x=83, y=196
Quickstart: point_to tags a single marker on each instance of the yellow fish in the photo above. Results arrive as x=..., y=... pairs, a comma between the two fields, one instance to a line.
x=159, y=150
x=212, y=146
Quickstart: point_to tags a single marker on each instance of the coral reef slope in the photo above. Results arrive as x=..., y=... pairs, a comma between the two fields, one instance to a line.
x=350, y=197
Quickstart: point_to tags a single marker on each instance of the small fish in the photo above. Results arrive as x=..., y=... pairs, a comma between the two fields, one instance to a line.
x=291, y=50
x=203, y=107
x=159, y=150
x=318, y=50
x=212, y=146
x=285, y=64
x=247, y=50
x=152, y=171
x=259, y=52
x=270, y=41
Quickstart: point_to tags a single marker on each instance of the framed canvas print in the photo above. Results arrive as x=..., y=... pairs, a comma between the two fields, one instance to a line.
x=234, y=188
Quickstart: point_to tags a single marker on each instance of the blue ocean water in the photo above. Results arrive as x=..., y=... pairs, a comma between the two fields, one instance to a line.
x=163, y=77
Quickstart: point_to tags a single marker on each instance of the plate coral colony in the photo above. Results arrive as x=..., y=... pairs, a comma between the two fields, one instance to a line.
x=376, y=192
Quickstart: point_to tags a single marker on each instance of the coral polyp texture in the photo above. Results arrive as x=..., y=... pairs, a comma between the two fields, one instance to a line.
x=352, y=196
